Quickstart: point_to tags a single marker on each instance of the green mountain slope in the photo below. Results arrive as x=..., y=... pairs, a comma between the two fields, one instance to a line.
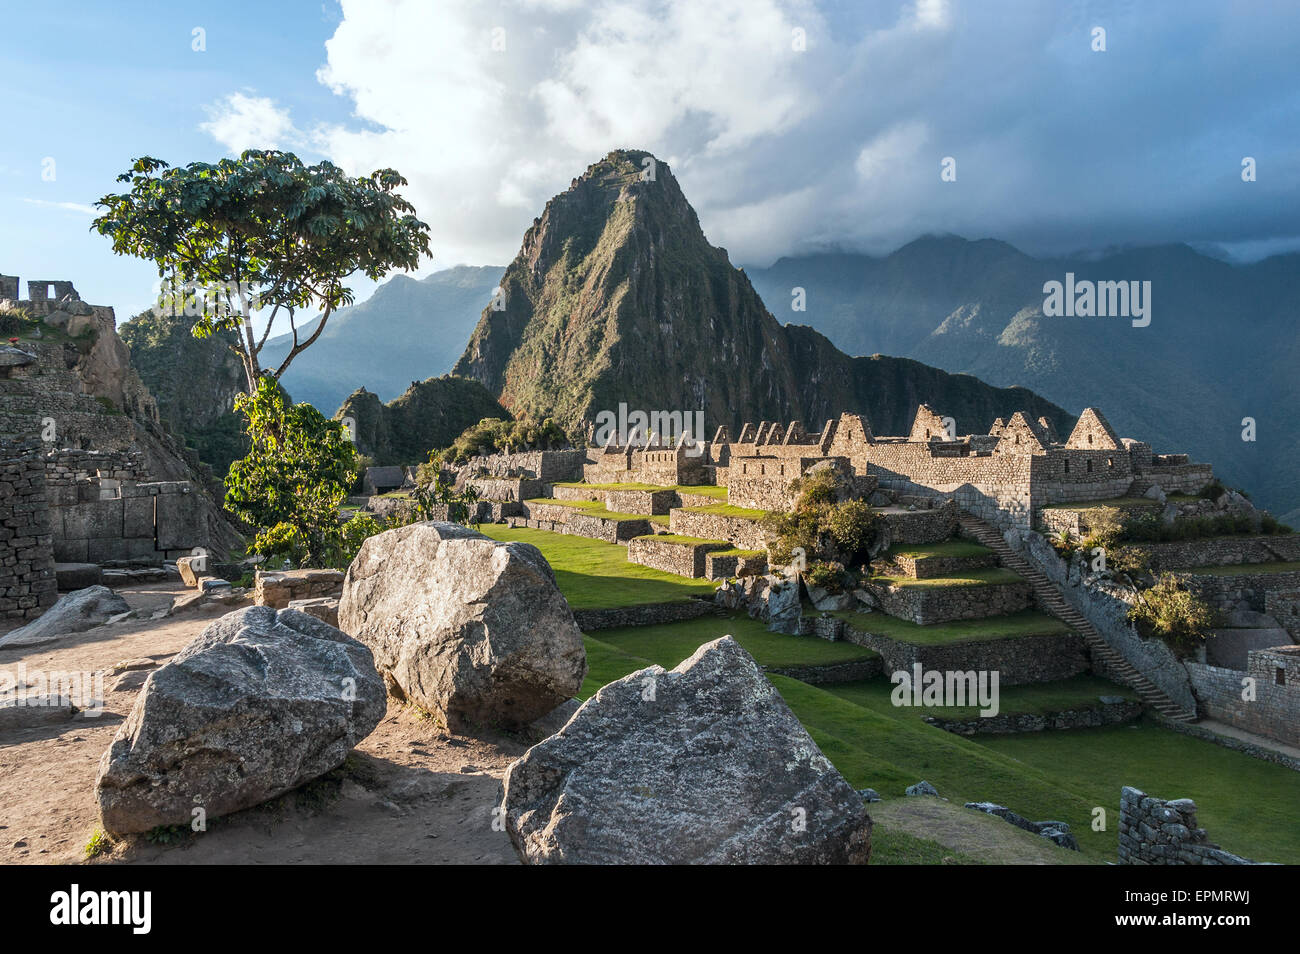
x=617, y=296
x=1221, y=345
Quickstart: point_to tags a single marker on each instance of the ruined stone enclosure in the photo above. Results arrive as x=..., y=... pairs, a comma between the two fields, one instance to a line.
x=1006, y=475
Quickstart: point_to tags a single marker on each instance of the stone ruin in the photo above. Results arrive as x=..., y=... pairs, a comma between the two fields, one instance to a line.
x=1005, y=475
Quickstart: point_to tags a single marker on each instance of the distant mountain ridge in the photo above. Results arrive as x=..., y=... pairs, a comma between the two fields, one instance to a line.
x=1222, y=345
x=616, y=296
x=406, y=331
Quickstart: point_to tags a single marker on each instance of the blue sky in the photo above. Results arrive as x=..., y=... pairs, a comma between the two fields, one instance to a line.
x=793, y=125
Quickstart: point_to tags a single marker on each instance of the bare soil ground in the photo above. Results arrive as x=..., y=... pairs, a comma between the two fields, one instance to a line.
x=410, y=793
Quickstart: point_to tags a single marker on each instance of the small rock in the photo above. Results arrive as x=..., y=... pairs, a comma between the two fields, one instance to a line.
x=921, y=788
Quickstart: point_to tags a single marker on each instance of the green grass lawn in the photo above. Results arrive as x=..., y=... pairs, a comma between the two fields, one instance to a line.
x=948, y=548
x=1078, y=692
x=668, y=644
x=1246, y=804
x=593, y=574
x=985, y=577
x=1241, y=569
x=1010, y=626
x=727, y=510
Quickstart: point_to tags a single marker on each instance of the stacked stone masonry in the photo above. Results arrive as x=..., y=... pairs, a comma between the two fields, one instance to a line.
x=1153, y=831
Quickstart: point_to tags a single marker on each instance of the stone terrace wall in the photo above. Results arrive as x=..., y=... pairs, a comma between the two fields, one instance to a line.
x=1239, y=591
x=1223, y=551
x=27, y=583
x=1284, y=606
x=928, y=567
x=744, y=533
x=1153, y=831
x=925, y=605
x=1018, y=661
x=1274, y=712
x=683, y=559
x=917, y=527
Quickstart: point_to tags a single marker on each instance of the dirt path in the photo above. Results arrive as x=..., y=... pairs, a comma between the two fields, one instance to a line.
x=408, y=794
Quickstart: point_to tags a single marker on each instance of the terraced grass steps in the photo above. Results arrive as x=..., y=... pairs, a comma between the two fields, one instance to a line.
x=596, y=575
x=934, y=559
x=968, y=594
x=1052, y=601
x=674, y=553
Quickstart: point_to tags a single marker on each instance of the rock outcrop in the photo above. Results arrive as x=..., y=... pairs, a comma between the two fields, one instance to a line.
x=473, y=630
x=705, y=764
x=75, y=612
x=261, y=702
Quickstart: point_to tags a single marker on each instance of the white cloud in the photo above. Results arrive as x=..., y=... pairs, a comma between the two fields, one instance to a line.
x=242, y=122
x=66, y=206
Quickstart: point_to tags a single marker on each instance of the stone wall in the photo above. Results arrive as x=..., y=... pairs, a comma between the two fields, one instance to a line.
x=640, y=501
x=1102, y=714
x=1232, y=591
x=647, y=614
x=916, y=527
x=160, y=520
x=1284, y=606
x=548, y=466
x=1223, y=551
x=672, y=556
x=1018, y=661
x=744, y=533
x=928, y=567
x=926, y=605
x=1274, y=712
x=27, y=583
x=1108, y=613
x=725, y=564
x=1153, y=831
x=506, y=489
x=277, y=589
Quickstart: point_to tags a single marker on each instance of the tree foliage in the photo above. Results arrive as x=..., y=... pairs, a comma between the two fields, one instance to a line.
x=294, y=478
x=1171, y=612
x=493, y=435
x=264, y=233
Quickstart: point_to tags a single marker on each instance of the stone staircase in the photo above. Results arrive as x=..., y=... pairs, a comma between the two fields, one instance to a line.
x=1051, y=600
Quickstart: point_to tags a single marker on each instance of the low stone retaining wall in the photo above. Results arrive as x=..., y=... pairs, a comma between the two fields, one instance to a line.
x=831, y=673
x=1239, y=590
x=278, y=588
x=1018, y=660
x=641, y=501
x=1104, y=713
x=743, y=533
x=921, y=526
x=926, y=605
x=561, y=519
x=648, y=614
x=576, y=492
x=1222, y=551
x=723, y=565
x=1153, y=831
x=928, y=567
x=672, y=556
x=506, y=489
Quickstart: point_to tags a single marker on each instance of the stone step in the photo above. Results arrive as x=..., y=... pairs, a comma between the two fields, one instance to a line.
x=1050, y=599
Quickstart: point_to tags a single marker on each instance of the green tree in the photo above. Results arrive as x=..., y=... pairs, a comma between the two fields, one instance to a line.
x=261, y=233
x=294, y=479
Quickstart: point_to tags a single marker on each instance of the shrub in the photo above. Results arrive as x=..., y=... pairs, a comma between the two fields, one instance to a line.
x=1170, y=612
x=821, y=527
x=1105, y=526
x=853, y=525
x=829, y=576
x=493, y=435
x=15, y=322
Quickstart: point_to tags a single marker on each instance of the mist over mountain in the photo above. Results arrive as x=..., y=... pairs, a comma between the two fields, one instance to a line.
x=1222, y=344
x=406, y=331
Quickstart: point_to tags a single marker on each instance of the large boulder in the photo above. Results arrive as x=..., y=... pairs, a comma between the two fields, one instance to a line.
x=259, y=703
x=705, y=764
x=471, y=629
x=75, y=612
